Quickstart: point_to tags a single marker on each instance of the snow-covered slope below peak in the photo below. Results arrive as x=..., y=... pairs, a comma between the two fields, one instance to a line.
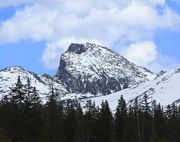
x=43, y=83
x=98, y=70
x=164, y=89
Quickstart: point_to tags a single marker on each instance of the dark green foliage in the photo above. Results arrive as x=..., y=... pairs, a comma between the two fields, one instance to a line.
x=23, y=118
x=173, y=123
x=146, y=120
x=52, y=116
x=121, y=121
x=21, y=113
x=131, y=125
x=90, y=122
x=159, y=122
x=104, y=123
x=17, y=94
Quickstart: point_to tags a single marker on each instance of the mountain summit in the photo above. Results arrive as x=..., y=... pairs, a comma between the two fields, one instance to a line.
x=90, y=71
x=91, y=68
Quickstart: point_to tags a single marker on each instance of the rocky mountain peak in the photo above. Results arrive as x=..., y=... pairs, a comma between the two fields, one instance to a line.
x=43, y=83
x=98, y=70
x=13, y=69
x=81, y=48
x=88, y=69
x=77, y=48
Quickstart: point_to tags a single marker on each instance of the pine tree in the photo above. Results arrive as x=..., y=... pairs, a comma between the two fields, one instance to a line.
x=90, y=122
x=24, y=119
x=173, y=123
x=80, y=124
x=11, y=111
x=120, y=120
x=105, y=124
x=131, y=135
x=31, y=114
x=146, y=117
x=137, y=111
x=17, y=94
x=70, y=123
x=32, y=98
x=52, y=130
x=158, y=123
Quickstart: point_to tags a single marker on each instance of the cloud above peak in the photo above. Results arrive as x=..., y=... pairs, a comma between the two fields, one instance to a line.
x=59, y=22
x=141, y=53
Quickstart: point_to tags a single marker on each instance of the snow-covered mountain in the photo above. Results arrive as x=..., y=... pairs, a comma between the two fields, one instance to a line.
x=84, y=68
x=90, y=68
x=89, y=71
x=43, y=83
x=164, y=89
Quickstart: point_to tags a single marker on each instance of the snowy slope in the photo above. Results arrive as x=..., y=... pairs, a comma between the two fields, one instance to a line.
x=90, y=68
x=8, y=77
x=164, y=89
x=84, y=68
x=89, y=71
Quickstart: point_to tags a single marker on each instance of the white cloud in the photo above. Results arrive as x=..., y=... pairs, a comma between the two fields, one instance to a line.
x=163, y=63
x=146, y=54
x=107, y=21
x=159, y=2
x=141, y=53
x=33, y=22
x=54, y=49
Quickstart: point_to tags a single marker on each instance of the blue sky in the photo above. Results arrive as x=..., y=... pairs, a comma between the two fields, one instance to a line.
x=33, y=34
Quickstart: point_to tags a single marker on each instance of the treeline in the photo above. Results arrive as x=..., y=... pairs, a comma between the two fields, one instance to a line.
x=24, y=118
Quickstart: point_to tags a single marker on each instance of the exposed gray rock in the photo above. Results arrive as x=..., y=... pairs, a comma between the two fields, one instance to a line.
x=90, y=68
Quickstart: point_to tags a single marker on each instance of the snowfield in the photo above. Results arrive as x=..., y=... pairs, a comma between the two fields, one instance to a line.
x=164, y=89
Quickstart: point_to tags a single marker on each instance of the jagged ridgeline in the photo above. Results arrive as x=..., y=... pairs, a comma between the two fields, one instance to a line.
x=90, y=71
x=90, y=68
x=83, y=68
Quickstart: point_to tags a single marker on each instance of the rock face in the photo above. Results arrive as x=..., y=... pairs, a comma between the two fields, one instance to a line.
x=164, y=89
x=90, y=68
x=87, y=69
x=84, y=68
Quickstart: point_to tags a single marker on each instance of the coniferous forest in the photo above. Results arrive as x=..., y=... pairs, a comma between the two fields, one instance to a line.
x=24, y=118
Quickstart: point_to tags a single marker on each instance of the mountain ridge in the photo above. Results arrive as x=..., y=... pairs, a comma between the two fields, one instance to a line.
x=89, y=70
x=93, y=68
x=163, y=89
x=43, y=83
